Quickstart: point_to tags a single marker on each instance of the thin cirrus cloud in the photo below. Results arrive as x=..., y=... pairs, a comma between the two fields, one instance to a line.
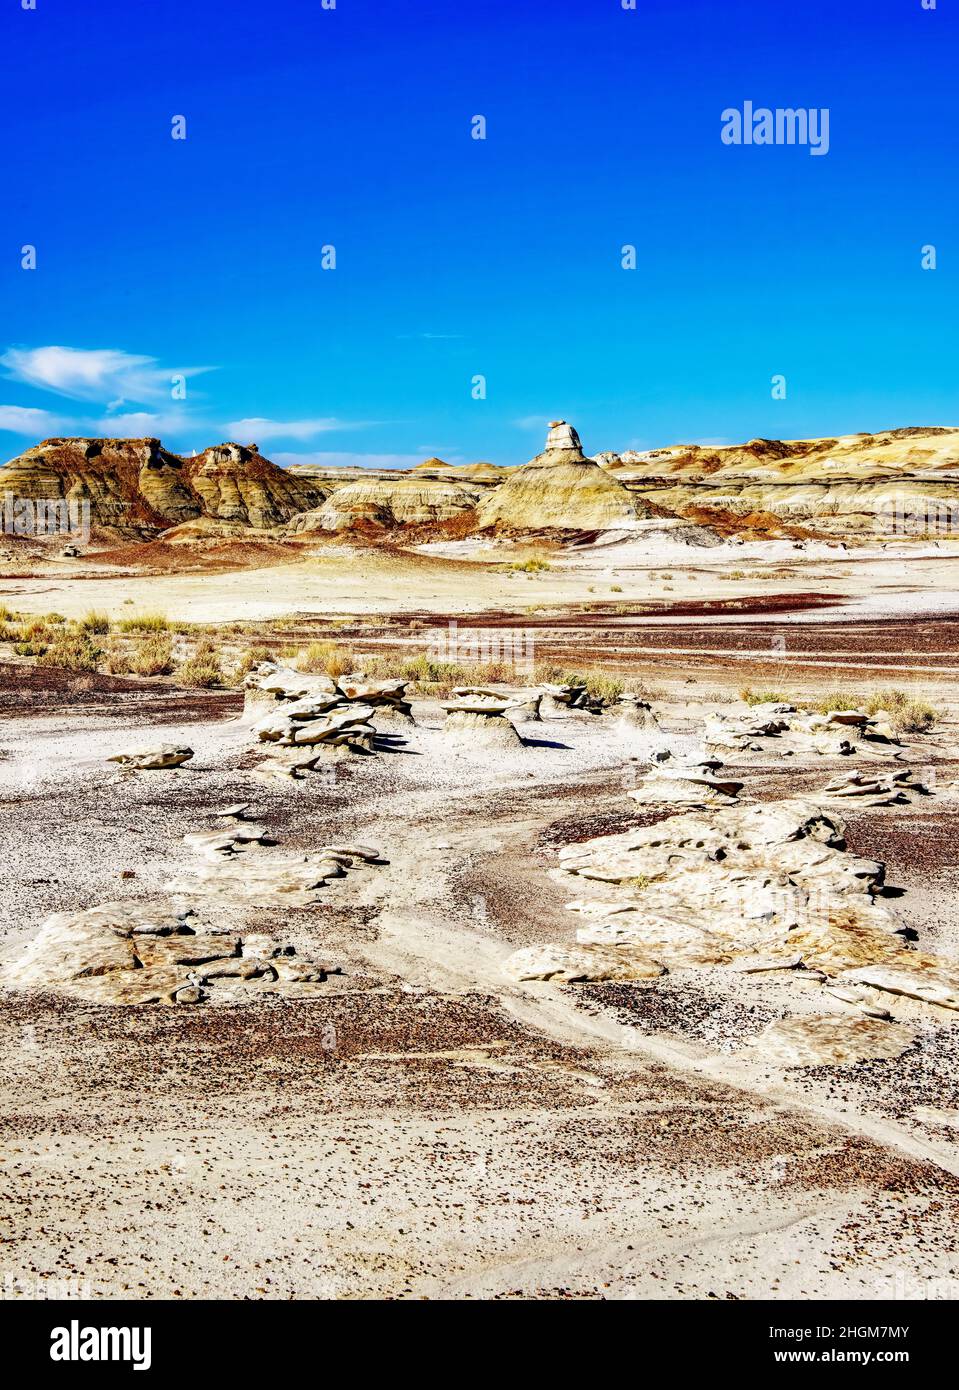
x=135, y=424
x=24, y=419
x=36, y=423
x=106, y=375
x=261, y=428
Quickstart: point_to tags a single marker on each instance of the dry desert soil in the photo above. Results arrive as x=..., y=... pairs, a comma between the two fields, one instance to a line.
x=420, y=1123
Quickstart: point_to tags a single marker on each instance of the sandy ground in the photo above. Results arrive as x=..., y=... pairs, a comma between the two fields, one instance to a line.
x=342, y=580
x=423, y=1127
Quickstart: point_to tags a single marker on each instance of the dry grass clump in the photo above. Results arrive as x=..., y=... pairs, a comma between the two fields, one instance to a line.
x=439, y=677
x=247, y=662
x=153, y=656
x=71, y=651
x=762, y=697
x=326, y=658
x=94, y=622
x=202, y=669
x=145, y=622
x=533, y=564
x=600, y=685
x=907, y=714
x=115, y=659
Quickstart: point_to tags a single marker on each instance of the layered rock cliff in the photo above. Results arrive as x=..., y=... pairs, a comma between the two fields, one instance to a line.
x=133, y=486
x=897, y=482
x=136, y=488
x=892, y=481
x=235, y=483
x=394, y=501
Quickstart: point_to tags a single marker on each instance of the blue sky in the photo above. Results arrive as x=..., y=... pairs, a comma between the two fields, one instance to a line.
x=458, y=257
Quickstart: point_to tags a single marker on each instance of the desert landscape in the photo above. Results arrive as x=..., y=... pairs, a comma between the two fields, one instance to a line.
x=481, y=882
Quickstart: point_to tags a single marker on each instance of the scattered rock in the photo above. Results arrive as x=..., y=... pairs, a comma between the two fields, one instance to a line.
x=758, y=888
x=687, y=784
x=778, y=730
x=881, y=787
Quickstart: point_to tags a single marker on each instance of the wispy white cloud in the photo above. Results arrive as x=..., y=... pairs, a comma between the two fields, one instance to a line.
x=534, y=422
x=261, y=428
x=23, y=419
x=134, y=424
x=105, y=375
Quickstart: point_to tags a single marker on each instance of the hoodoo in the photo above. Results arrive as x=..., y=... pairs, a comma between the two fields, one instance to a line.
x=561, y=489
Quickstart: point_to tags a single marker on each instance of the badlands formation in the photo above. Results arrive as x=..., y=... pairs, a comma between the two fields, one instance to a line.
x=846, y=487
x=515, y=883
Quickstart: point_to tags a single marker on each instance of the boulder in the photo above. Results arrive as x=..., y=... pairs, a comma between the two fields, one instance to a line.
x=523, y=701
x=150, y=759
x=929, y=985
x=635, y=713
x=480, y=728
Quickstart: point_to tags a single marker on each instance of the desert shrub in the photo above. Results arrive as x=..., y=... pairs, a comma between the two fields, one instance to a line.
x=203, y=668
x=72, y=651
x=94, y=622
x=533, y=564
x=915, y=717
x=153, y=656
x=115, y=660
x=762, y=697
x=836, y=699
x=29, y=648
x=247, y=662
x=907, y=714
x=326, y=657
x=600, y=685
x=7, y=615
x=145, y=622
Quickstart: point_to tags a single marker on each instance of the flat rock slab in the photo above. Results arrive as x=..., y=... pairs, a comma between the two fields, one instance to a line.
x=925, y=983
x=831, y=1040
x=567, y=964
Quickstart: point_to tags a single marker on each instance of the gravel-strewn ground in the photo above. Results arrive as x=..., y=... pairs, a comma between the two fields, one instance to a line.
x=421, y=1126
